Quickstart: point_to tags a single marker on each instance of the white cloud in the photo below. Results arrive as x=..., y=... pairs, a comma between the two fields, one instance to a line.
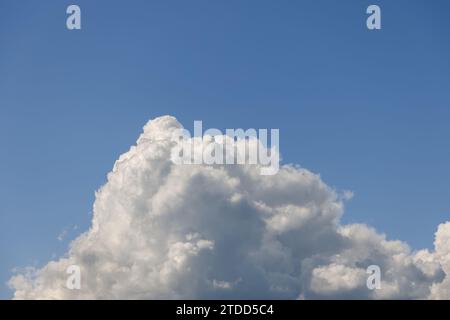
x=62, y=235
x=442, y=244
x=336, y=278
x=161, y=230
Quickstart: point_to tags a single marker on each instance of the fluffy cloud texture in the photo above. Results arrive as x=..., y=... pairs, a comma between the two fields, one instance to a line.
x=162, y=230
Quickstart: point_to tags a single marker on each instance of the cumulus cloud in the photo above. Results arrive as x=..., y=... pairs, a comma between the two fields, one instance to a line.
x=162, y=230
x=442, y=244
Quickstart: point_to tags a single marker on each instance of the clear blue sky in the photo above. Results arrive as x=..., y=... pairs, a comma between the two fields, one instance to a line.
x=368, y=110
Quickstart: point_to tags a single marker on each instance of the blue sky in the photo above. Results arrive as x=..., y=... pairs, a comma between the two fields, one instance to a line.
x=368, y=110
